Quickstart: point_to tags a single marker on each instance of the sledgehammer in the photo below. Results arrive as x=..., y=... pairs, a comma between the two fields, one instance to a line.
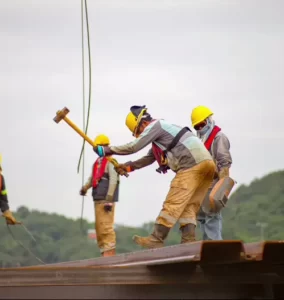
x=61, y=115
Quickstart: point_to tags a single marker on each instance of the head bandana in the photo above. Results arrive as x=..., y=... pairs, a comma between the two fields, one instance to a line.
x=206, y=130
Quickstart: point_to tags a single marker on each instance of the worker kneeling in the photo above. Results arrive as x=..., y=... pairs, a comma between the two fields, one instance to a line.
x=105, y=183
x=174, y=148
x=217, y=143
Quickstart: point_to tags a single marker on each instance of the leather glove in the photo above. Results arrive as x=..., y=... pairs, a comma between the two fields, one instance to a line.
x=10, y=219
x=103, y=151
x=121, y=169
x=224, y=172
x=83, y=191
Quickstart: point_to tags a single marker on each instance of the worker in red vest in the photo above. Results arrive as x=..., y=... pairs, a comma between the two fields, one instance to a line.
x=218, y=145
x=105, y=183
x=4, y=204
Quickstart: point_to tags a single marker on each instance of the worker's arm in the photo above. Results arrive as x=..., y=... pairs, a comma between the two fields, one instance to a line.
x=222, y=155
x=137, y=164
x=87, y=185
x=113, y=180
x=4, y=204
x=142, y=162
x=151, y=133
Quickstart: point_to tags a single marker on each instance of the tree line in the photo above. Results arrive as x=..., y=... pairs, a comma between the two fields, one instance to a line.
x=254, y=212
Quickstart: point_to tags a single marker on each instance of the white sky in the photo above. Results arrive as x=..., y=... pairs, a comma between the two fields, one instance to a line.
x=169, y=55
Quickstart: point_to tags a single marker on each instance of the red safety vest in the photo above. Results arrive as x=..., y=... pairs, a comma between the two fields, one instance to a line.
x=158, y=153
x=211, y=137
x=99, y=170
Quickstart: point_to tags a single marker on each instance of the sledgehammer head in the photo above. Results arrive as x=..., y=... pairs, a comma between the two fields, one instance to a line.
x=60, y=115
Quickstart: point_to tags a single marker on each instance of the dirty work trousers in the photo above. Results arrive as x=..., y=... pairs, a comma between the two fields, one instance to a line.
x=210, y=223
x=187, y=191
x=106, y=237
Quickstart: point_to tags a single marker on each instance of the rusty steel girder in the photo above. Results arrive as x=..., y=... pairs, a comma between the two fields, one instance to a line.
x=235, y=270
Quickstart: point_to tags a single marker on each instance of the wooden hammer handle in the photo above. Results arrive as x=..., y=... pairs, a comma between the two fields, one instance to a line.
x=87, y=139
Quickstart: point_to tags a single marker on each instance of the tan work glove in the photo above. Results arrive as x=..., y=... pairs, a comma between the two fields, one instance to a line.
x=121, y=169
x=10, y=219
x=224, y=172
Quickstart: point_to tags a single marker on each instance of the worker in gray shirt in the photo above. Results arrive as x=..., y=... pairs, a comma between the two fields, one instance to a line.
x=218, y=145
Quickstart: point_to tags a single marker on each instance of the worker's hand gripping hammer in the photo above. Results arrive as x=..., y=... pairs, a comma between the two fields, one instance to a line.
x=61, y=115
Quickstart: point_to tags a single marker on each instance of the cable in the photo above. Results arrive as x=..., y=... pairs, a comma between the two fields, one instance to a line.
x=24, y=247
x=84, y=125
x=90, y=83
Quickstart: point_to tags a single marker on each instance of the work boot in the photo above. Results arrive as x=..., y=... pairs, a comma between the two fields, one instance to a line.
x=108, y=253
x=154, y=240
x=188, y=233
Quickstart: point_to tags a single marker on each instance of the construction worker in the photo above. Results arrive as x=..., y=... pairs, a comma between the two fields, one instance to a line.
x=173, y=148
x=4, y=203
x=219, y=147
x=105, y=183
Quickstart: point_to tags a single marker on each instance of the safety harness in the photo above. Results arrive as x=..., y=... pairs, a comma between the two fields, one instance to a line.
x=161, y=155
x=99, y=170
x=211, y=137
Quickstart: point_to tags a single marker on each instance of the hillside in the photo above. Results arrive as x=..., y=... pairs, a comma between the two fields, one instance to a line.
x=61, y=239
x=261, y=204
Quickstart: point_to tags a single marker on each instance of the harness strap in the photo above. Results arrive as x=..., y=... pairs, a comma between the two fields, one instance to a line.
x=176, y=139
x=211, y=137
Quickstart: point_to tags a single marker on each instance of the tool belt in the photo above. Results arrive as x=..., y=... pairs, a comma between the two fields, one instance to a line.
x=161, y=155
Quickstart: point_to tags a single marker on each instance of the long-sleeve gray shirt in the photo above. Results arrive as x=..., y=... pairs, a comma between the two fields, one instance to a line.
x=220, y=151
x=113, y=179
x=188, y=152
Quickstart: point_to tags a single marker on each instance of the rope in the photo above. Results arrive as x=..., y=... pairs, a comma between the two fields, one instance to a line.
x=23, y=246
x=85, y=126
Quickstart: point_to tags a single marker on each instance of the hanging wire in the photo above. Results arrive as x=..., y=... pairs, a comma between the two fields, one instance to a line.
x=90, y=82
x=83, y=87
x=23, y=246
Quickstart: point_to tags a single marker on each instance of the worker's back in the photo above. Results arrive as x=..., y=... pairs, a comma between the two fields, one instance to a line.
x=189, y=150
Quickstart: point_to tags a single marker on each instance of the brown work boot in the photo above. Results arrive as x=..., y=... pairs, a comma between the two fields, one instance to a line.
x=188, y=233
x=154, y=240
x=108, y=253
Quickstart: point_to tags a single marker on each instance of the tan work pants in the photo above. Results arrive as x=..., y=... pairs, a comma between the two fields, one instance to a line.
x=106, y=237
x=187, y=191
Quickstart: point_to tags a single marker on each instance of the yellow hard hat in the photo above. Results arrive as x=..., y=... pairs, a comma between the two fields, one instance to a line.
x=199, y=114
x=101, y=140
x=134, y=117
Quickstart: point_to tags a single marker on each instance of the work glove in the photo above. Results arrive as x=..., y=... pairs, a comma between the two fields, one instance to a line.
x=121, y=169
x=224, y=172
x=83, y=191
x=103, y=151
x=10, y=219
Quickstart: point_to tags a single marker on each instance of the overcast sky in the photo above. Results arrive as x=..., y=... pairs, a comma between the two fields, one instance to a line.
x=168, y=55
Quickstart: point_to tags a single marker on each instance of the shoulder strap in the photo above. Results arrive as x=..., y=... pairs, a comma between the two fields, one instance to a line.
x=210, y=139
x=177, y=138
